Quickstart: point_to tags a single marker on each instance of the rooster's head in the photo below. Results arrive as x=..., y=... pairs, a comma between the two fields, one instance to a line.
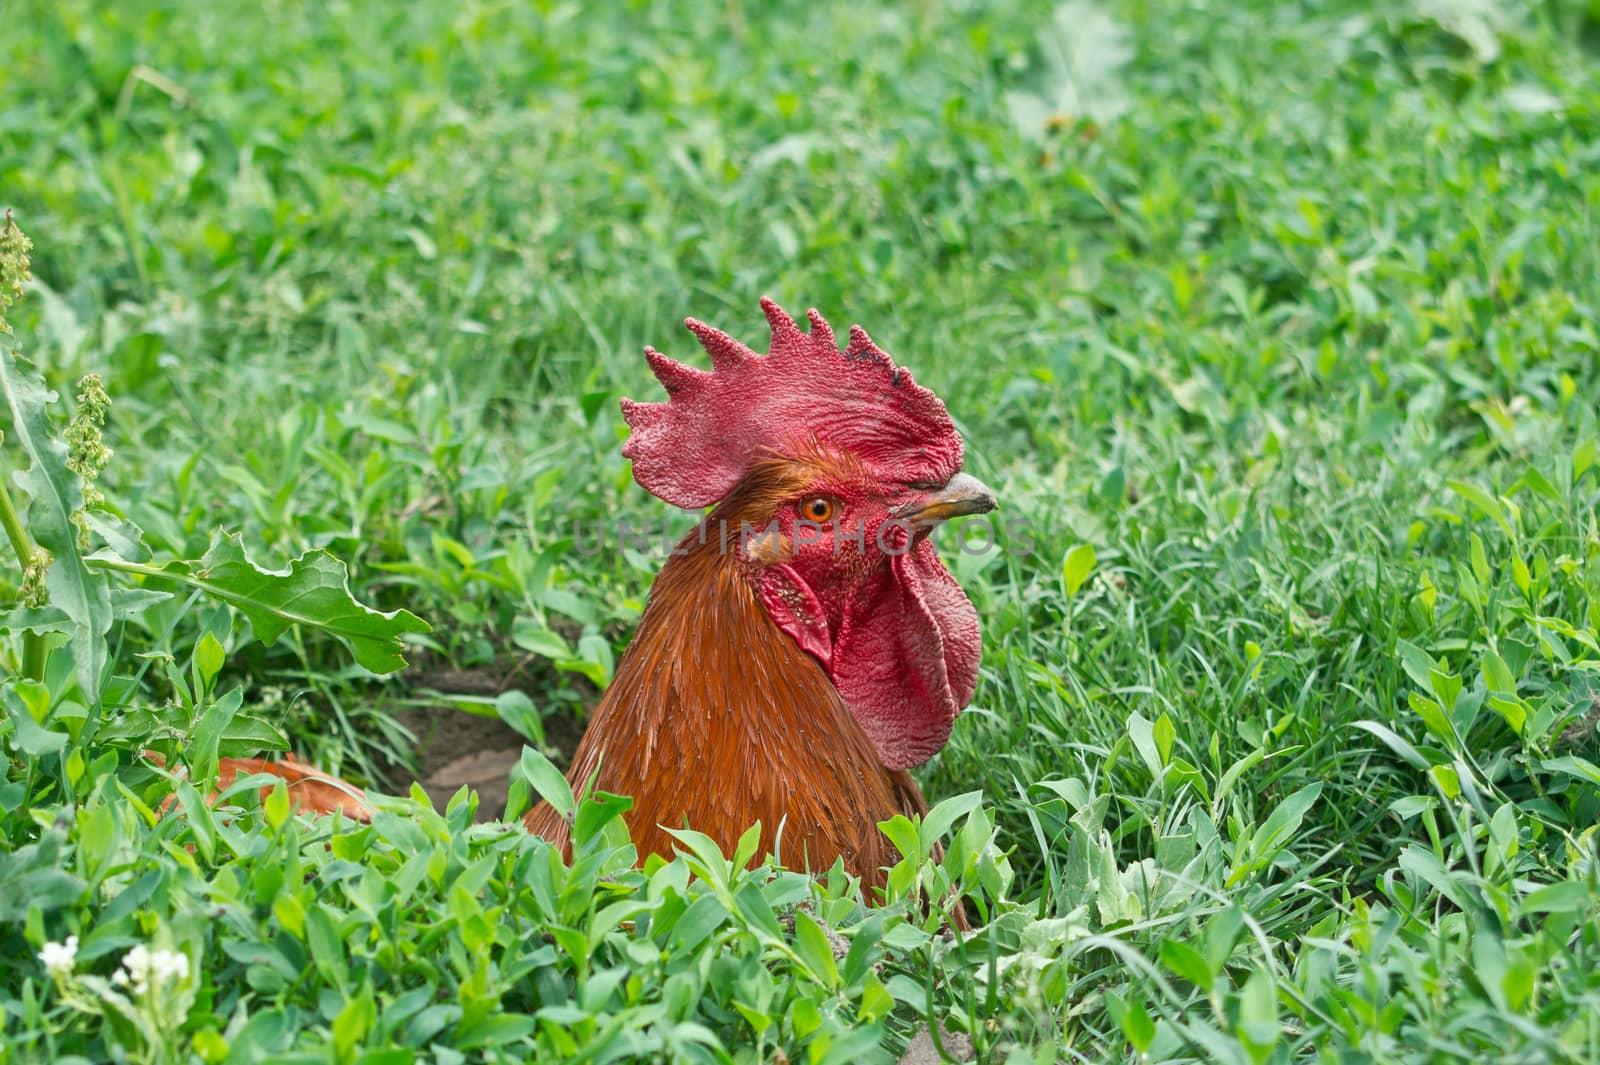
x=831, y=468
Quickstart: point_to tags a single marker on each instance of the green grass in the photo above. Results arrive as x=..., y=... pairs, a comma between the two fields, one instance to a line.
x=1291, y=319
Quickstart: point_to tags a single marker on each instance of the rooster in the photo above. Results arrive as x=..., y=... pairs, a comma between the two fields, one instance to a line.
x=804, y=647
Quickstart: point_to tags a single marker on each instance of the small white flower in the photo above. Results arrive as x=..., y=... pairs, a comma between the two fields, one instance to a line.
x=59, y=958
x=142, y=967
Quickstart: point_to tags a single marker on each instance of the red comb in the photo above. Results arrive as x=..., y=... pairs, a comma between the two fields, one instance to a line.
x=692, y=449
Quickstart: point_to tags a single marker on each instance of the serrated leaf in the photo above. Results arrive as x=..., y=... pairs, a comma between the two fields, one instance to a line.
x=314, y=593
x=54, y=495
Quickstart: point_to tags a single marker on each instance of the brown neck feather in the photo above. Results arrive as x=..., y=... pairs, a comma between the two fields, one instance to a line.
x=716, y=715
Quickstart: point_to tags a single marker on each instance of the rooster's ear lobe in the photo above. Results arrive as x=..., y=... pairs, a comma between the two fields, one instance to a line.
x=794, y=608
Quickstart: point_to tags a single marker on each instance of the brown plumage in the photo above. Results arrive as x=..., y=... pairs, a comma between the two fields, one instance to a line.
x=717, y=719
x=310, y=790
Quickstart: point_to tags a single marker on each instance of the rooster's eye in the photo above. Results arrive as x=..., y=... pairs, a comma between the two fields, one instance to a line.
x=818, y=510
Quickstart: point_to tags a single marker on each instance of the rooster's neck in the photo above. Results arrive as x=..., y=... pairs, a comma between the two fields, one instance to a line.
x=718, y=717
x=706, y=644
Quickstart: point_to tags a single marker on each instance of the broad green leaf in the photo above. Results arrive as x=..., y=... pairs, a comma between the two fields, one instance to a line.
x=1585, y=457
x=208, y=658
x=1137, y=1025
x=351, y=1024
x=276, y=805
x=811, y=943
x=1187, y=962
x=1497, y=675
x=1447, y=686
x=1284, y=821
x=27, y=735
x=1484, y=503
x=1142, y=732
x=1396, y=743
x=1164, y=732
x=1418, y=664
x=547, y=781
x=517, y=710
x=197, y=816
x=1565, y=896
x=903, y=834
x=494, y=1030
x=208, y=732
x=1434, y=719
x=595, y=812
x=1222, y=935
x=120, y=535
x=253, y=734
x=1512, y=709
x=704, y=916
x=34, y=876
x=875, y=999
x=1573, y=765
x=1480, y=559
x=314, y=593
x=1258, y=1009
x=1076, y=567
x=1539, y=483
x=125, y=603
x=1447, y=780
x=745, y=849
x=54, y=495
x=945, y=813
x=531, y=635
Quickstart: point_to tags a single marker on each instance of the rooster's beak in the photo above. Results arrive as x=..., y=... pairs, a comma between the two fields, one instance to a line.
x=962, y=494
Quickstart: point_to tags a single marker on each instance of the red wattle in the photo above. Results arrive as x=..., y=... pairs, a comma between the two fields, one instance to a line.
x=905, y=658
